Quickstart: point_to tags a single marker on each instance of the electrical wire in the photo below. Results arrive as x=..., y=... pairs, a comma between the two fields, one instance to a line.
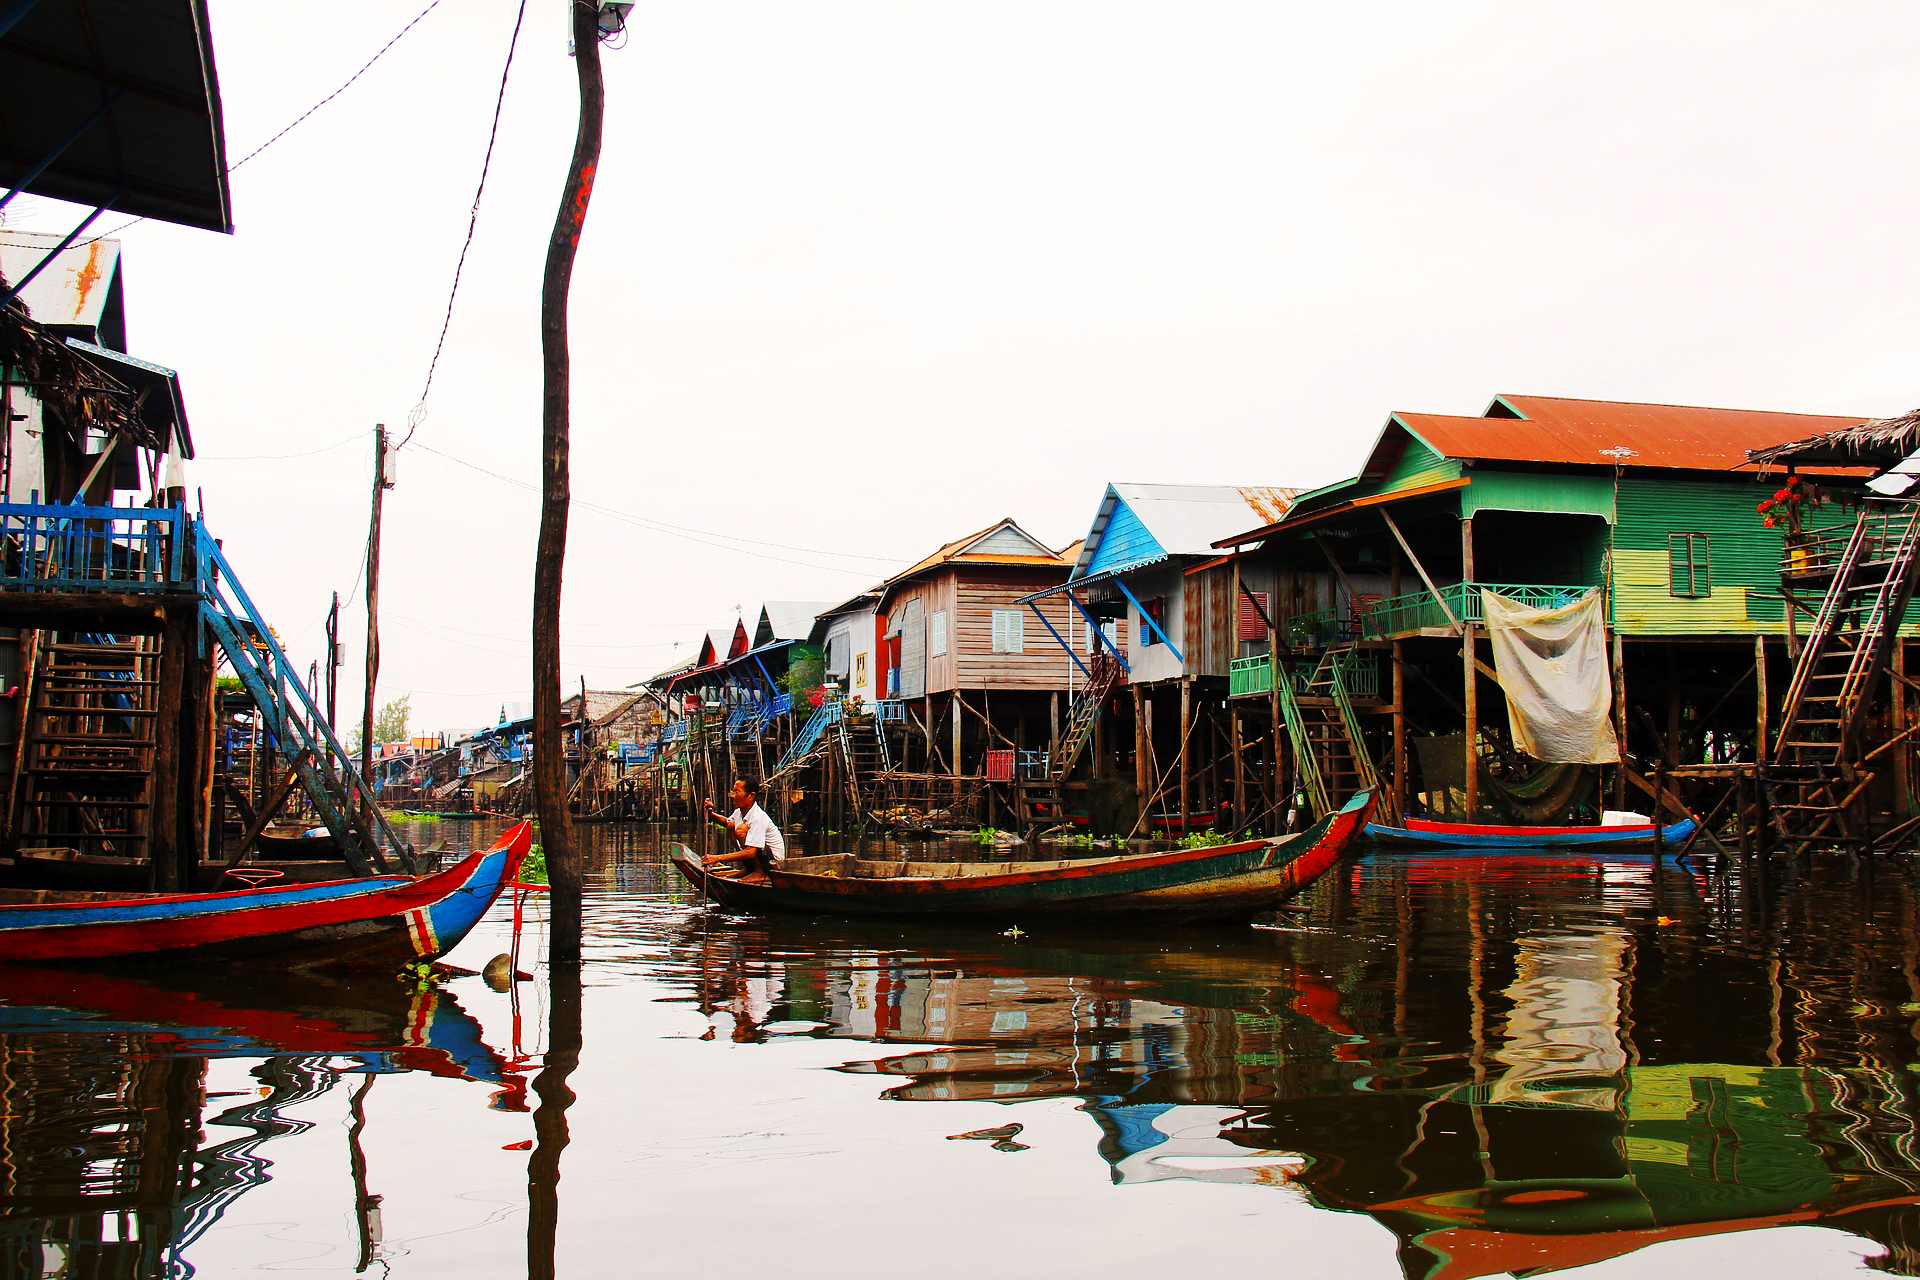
x=277, y=457
x=704, y=536
x=418, y=413
x=297, y=121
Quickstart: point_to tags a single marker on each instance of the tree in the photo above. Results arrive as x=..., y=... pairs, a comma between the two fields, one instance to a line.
x=389, y=724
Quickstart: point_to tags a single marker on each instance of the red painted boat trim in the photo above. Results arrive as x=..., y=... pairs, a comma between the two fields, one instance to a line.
x=1523, y=833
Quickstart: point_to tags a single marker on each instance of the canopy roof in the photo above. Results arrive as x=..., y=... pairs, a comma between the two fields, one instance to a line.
x=1878, y=444
x=161, y=137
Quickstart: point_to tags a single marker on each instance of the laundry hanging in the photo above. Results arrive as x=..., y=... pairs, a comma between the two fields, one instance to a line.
x=1552, y=665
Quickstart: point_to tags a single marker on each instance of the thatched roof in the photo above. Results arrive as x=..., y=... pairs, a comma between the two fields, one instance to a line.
x=1871, y=444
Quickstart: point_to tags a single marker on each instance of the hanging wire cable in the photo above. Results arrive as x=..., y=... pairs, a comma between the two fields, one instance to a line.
x=418, y=413
x=297, y=121
x=705, y=536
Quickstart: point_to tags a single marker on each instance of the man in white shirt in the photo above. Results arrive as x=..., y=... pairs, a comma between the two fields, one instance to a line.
x=758, y=842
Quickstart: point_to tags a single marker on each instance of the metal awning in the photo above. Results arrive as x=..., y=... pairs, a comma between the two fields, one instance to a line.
x=115, y=103
x=1105, y=575
x=160, y=407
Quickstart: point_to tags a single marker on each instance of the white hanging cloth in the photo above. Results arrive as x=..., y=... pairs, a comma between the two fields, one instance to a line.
x=1552, y=665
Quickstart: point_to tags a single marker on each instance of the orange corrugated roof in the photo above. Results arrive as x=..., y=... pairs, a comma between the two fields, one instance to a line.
x=1582, y=432
x=955, y=553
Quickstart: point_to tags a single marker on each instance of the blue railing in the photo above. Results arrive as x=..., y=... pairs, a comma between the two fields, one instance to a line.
x=50, y=547
x=824, y=717
x=327, y=772
x=890, y=711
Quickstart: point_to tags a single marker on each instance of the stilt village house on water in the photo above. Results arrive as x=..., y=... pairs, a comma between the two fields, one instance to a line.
x=1230, y=657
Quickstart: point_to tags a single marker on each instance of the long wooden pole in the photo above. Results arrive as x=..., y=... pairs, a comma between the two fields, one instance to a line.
x=549, y=757
x=1470, y=690
x=373, y=620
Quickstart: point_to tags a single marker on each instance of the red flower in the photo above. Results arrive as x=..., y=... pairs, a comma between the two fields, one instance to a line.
x=1764, y=507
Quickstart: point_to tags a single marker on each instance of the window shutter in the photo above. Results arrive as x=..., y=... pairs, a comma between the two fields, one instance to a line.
x=1252, y=627
x=1009, y=631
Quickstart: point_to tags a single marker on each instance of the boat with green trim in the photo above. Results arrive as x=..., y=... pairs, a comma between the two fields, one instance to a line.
x=1178, y=886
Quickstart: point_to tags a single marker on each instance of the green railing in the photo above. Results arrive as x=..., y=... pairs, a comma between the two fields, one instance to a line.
x=1313, y=630
x=1402, y=615
x=1248, y=676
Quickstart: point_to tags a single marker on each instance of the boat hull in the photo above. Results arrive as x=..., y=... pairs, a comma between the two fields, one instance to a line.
x=377, y=921
x=1461, y=835
x=1181, y=886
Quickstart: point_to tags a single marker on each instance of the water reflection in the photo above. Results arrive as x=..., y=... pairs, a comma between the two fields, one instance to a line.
x=1513, y=1065
x=110, y=1161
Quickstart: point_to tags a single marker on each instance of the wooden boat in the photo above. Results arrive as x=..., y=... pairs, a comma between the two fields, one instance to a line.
x=375, y=921
x=106, y=873
x=1420, y=833
x=1223, y=882
x=294, y=843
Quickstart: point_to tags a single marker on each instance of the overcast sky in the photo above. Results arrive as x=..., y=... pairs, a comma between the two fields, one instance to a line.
x=861, y=276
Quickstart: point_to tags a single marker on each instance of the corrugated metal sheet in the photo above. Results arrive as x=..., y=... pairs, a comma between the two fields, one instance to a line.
x=1577, y=493
x=1584, y=432
x=1744, y=559
x=75, y=286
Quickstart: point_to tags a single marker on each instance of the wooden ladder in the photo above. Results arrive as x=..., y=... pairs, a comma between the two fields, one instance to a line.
x=1103, y=673
x=1330, y=753
x=87, y=762
x=1815, y=776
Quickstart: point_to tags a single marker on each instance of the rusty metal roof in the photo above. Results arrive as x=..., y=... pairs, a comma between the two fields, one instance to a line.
x=1605, y=432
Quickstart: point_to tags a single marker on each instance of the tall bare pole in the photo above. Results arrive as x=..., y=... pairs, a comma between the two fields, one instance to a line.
x=333, y=661
x=549, y=757
x=380, y=487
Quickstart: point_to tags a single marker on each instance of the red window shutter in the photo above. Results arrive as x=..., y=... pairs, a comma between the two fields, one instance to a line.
x=1252, y=625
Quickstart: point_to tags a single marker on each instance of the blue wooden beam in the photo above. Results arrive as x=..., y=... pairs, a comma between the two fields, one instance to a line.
x=1101, y=636
x=1062, y=643
x=1147, y=618
x=14, y=291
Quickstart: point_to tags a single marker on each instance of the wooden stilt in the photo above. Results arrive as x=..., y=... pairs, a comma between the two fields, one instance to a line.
x=1760, y=699
x=953, y=711
x=1142, y=734
x=1903, y=756
x=1620, y=720
x=163, y=831
x=1400, y=796
x=1470, y=676
x=1186, y=722
x=1239, y=770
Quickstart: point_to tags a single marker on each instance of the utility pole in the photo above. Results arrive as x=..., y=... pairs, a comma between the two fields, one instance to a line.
x=381, y=483
x=590, y=19
x=333, y=661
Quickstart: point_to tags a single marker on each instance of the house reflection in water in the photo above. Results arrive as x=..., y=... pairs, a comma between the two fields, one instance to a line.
x=1530, y=1076
x=106, y=1171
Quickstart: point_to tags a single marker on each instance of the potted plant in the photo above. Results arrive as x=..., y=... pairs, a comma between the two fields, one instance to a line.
x=1786, y=511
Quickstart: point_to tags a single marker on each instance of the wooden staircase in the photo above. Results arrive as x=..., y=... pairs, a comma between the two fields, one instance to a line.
x=87, y=755
x=1816, y=775
x=1037, y=801
x=1330, y=754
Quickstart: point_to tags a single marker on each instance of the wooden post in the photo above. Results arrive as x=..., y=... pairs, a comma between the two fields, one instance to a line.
x=1186, y=719
x=1470, y=688
x=373, y=621
x=163, y=819
x=23, y=728
x=1903, y=754
x=1239, y=770
x=1142, y=734
x=1399, y=731
x=1760, y=727
x=1053, y=721
x=1281, y=793
x=1620, y=722
x=197, y=747
x=550, y=554
x=953, y=710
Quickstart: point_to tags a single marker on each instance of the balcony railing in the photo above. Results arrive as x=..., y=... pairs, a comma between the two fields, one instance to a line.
x=50, y=547
x=1402, y=615
x=1248, y=676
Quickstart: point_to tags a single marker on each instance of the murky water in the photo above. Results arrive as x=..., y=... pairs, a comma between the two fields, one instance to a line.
x=1444, y=1067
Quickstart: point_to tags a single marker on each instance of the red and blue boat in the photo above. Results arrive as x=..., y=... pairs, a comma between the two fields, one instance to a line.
x=1422, y=834
x=381, y=920
x=1178, y=886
